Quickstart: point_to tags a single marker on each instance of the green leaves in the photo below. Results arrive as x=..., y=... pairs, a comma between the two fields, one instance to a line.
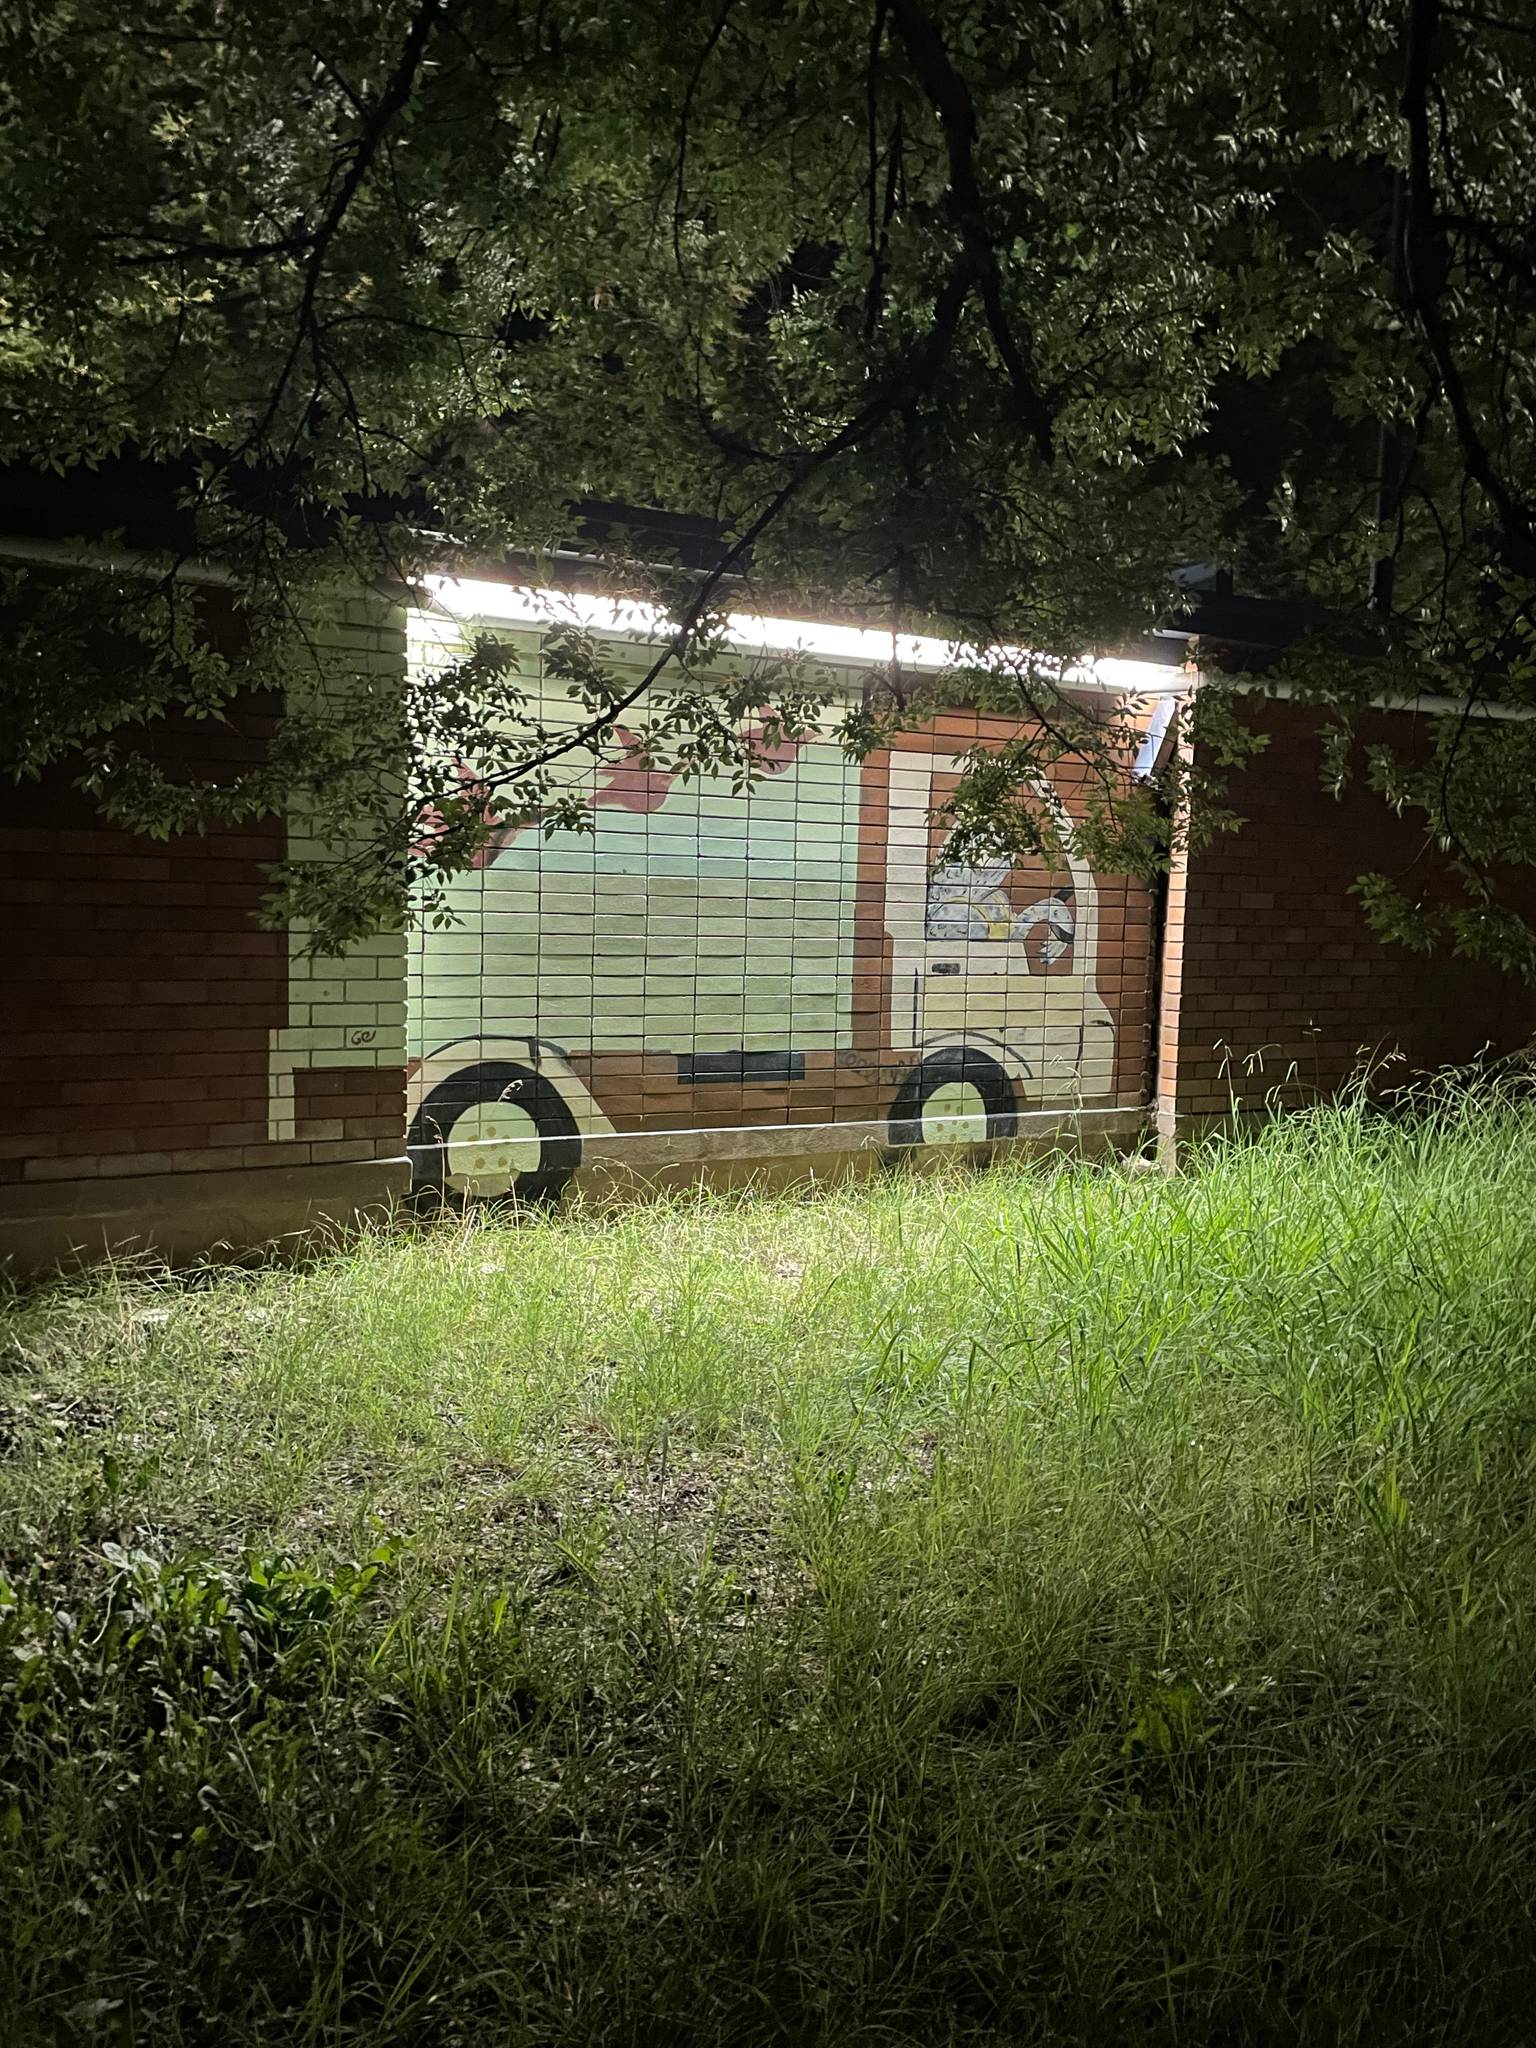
x=344, y=297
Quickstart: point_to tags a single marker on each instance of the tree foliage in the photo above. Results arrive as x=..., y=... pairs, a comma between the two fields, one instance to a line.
x=976, y=319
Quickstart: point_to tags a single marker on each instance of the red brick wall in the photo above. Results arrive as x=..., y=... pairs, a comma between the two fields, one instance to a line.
x=340, y=1105
x=1273, y=982
x=136, y=1010
x=140, y=996
x=138, y=1007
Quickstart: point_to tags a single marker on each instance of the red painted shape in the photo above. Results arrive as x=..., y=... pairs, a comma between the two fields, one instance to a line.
x=629, y=787
x=624, y=786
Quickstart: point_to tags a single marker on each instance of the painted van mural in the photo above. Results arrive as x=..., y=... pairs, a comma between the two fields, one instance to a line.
x=709, y=975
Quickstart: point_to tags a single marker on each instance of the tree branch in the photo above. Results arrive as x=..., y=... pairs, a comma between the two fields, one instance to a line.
x=1424, y=275
x=920, y=373
x=694, y=78
x=950, y=97
x=391, y=103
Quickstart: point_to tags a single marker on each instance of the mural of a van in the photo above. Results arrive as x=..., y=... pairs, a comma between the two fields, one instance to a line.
x=711, y=975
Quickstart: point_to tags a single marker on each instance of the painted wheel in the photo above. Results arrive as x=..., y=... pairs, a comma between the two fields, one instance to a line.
x=499, y=1127
x=957, y=1082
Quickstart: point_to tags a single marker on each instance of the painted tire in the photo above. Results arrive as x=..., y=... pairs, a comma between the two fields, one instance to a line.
x=497, y=1081
x=977, y=1070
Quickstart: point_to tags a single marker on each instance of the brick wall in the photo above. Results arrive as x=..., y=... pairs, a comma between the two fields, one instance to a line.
x=345, y=1014
x=139, y=999
x=147, y=1025
x=710, y=964
x=1274, y=986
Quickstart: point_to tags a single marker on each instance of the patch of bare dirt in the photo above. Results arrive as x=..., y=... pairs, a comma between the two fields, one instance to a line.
x=30, y=1417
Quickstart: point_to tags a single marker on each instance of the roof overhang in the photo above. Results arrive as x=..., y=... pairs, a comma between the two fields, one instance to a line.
x=467, y=599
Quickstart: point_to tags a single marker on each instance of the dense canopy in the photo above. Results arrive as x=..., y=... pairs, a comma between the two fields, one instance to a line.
x=990, y=319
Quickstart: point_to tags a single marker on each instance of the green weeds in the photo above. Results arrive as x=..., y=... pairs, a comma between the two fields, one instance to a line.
x=1053, y=1605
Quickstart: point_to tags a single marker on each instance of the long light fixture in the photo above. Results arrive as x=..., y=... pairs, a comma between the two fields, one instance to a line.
x=468, y=598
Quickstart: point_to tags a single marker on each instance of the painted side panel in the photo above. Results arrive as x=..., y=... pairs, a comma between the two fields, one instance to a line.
x=717, y=962
x=688, y=919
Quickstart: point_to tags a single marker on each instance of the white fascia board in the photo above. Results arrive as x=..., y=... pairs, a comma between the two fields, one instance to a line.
x=135, y=562
x=1430, y=705
x=469, y=598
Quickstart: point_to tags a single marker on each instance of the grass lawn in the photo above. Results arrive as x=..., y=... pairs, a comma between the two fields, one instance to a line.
x=1050, y=1605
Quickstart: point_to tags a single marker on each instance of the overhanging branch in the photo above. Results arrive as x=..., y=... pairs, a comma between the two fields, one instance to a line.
x=1425, y=271
x=950, y=97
